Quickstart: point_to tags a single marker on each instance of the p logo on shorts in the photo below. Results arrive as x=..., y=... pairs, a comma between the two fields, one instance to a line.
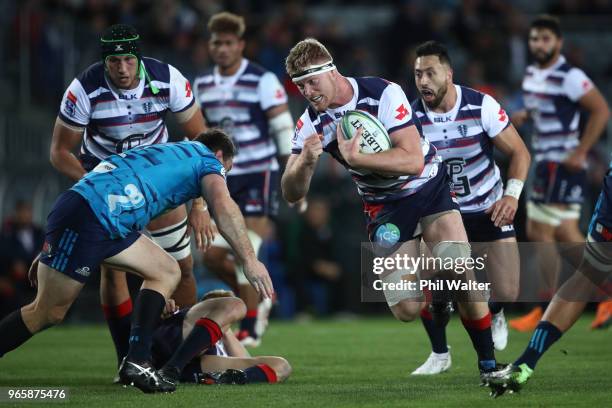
x=387, y=235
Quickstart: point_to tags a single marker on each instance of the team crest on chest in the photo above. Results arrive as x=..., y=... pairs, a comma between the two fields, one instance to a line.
x=462, y=130
x=147, y=106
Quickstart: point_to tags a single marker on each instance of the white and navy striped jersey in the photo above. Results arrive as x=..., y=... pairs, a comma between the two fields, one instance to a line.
x=551, y=96
x=387, y=102
x=463, y=138
x=115, y=119
x=238, y=104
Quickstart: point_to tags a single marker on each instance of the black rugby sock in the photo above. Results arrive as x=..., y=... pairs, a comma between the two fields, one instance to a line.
x=543, y=337
x=495, y=307
x=147, y=312
x=13, y=332
x=435, y=332
x=482, y=340
x=119, y=319
x=261, y=373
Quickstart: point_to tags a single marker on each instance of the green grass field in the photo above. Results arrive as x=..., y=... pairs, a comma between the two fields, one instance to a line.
x=361, y=363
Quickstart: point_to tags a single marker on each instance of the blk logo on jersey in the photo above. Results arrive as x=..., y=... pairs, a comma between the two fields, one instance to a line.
x=442, y=119
x=401, y=112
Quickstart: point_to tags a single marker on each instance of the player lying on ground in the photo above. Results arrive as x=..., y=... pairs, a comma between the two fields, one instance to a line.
x=465, y=126
x=401, y=187
x=571, y=299
x=197, y=345
x=99, y=220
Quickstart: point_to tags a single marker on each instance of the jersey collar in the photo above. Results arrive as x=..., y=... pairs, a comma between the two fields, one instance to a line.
x=229, y=80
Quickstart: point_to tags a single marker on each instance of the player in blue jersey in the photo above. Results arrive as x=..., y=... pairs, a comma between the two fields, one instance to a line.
x=116, y=104
x=555, y=93
x=250, y=104
x=184, y=350
x=99, y=221
x=569, y=302
x=401, y=187
x=465, y=126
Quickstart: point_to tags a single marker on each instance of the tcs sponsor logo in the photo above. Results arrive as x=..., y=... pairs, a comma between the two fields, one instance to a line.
x=387, y=235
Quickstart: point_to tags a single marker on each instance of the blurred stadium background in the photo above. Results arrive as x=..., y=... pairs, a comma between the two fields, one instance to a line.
x=45, y=44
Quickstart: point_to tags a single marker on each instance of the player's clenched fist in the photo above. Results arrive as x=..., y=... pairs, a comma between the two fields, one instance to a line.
x=312, y=149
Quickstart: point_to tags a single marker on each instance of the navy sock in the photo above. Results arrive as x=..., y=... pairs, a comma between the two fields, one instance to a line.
x=204, y=334
x=495, y=307
x=147, y=312
x=119, y=320
x=480, y=333
x=436, y=333
x=13, y=332
x=261, y=373
x=248, y=323
x=543, y=337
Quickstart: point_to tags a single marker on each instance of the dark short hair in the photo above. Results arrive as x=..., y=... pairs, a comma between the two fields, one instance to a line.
x=216, y=139
x=548, y=22
x=434, y=48
x=226, y=22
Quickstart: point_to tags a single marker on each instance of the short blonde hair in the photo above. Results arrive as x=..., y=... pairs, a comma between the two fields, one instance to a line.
x=305, y=53
x=226, y=22
x=217, y=293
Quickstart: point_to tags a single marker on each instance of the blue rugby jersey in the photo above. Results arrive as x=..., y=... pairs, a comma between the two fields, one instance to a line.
x=127, y=190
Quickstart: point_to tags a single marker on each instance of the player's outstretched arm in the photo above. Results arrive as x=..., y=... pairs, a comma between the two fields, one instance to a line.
x=231, y=225
x=300, y=168
x=64, y=141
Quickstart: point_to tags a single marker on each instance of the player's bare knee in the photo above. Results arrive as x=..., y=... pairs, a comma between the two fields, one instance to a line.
x=54, y=316
x=508, y=293
x=237, y=308
x=282, y=368
x=406, y=311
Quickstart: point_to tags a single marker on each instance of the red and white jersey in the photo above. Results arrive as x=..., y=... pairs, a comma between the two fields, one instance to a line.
x=551, y=96
x=386, y=101
x=115, y=119
x=463, y=138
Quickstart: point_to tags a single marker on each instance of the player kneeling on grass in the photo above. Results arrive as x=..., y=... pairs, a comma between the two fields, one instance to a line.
x=570, y=300
x=98, y=221
x=197, y=345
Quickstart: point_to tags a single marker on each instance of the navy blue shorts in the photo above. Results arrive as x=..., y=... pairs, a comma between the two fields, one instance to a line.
x=256, y=193
x=390, y=224
x=75, y=241
x=480, y=228
x=600, y=228
x=554, y=183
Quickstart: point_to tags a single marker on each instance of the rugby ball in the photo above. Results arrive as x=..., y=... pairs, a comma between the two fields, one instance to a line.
x=374, y=138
